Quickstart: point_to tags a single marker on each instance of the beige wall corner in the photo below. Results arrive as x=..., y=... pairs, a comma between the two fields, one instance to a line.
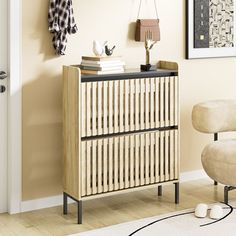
x=200, y=80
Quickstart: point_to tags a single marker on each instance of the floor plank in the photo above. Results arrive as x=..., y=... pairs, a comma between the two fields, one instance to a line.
x=111, y=210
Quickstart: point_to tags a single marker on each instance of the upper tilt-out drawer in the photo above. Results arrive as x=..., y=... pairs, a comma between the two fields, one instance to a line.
x=128, y=105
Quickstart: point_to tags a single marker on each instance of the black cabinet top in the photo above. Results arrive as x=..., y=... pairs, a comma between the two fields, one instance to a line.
x=129, y=74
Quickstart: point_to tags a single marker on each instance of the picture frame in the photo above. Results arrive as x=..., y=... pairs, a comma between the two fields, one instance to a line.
x=210, y=28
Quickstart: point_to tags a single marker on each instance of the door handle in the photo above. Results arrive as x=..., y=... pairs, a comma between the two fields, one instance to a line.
x=3, y=75
x=2, y=88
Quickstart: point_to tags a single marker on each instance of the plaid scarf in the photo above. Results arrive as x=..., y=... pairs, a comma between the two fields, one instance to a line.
x=61, y=22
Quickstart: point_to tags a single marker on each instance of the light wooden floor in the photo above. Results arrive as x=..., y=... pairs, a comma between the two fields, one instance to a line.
x=111, y=210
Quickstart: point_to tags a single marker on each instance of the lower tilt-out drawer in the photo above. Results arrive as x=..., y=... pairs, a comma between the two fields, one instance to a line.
x=123, y=162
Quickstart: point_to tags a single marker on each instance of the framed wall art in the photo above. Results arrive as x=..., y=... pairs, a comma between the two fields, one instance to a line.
x=210, y=28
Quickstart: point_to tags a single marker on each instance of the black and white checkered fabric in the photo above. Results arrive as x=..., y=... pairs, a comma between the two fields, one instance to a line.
x=61, y=22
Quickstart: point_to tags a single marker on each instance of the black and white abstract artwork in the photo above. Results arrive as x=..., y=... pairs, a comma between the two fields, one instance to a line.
x=221, y=23
x=210, y=28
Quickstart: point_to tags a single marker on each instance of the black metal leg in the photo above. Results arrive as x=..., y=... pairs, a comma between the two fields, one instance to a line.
x=226, y=194
x=177, y=193
x=159, y=190
x=65, y=204
x=215, y=139
x=215, y=136
x=79, y=204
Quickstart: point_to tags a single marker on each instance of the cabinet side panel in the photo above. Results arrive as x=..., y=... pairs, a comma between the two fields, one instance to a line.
x=71, y=134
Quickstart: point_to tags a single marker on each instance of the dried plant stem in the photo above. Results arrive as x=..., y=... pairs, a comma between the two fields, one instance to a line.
x=147, y=56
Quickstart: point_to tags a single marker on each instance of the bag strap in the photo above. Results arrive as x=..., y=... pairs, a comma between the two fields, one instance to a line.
x=140, y=3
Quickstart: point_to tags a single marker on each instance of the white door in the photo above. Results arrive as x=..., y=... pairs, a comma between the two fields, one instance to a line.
x=3, y=104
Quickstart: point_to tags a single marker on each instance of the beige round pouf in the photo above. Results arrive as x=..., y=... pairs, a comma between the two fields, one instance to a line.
x=219, y=161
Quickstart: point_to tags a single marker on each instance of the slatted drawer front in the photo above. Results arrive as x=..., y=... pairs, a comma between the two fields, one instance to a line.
x=123, y=162
x=128, y=105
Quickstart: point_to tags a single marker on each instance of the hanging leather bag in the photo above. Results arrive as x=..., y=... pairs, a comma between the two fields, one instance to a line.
x=147, y=25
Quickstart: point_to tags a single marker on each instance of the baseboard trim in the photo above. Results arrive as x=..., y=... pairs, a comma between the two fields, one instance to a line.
x=41, y=203
x=193, y=175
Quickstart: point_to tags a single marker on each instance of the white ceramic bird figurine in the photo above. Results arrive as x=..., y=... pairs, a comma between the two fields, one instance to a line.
x=98, y=49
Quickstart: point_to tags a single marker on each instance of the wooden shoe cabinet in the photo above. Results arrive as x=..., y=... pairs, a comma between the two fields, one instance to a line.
x=120, y=132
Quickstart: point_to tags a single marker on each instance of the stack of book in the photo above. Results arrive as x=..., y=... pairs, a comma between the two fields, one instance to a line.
x=101, y=65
